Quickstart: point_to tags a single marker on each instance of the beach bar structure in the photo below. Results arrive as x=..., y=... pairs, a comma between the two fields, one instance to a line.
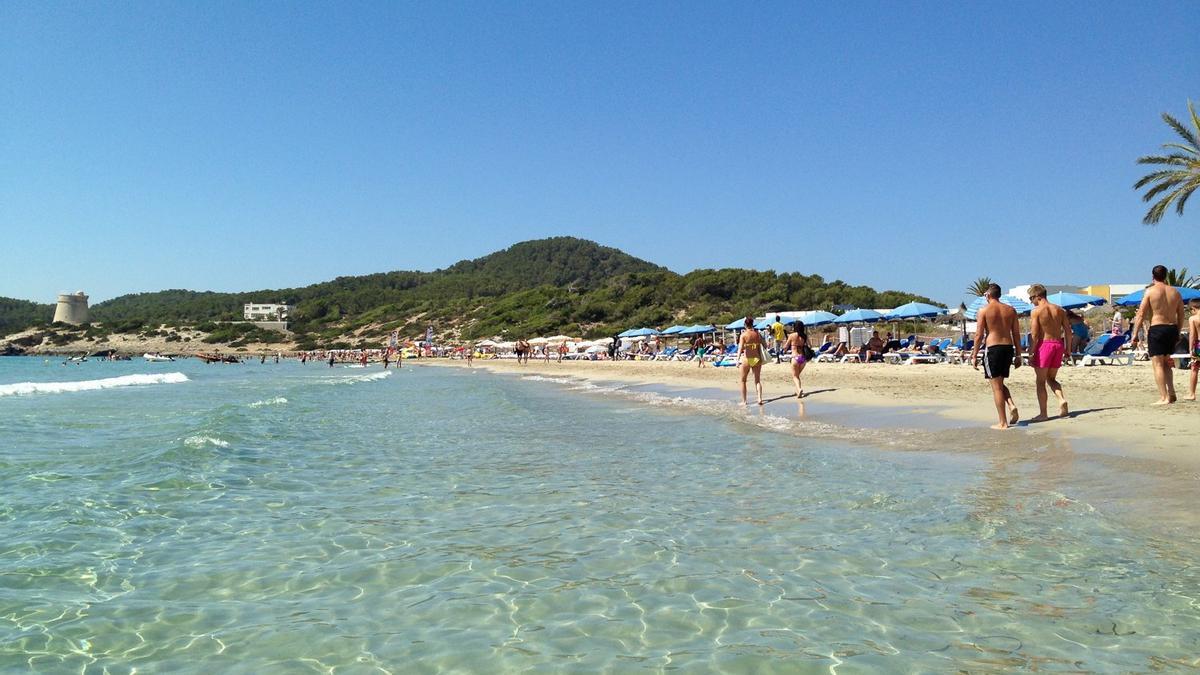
x=72, y=308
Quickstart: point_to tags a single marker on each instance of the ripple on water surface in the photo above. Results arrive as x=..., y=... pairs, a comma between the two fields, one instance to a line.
x=442, y=520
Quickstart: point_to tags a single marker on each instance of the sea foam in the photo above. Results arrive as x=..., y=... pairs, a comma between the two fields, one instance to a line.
x=22, y=388
x=278, y=400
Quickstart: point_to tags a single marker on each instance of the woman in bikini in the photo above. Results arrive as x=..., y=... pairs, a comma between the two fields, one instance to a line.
x=750, y=358
x=797, y=342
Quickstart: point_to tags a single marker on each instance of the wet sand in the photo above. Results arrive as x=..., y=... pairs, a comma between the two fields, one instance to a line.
x=1110, y=405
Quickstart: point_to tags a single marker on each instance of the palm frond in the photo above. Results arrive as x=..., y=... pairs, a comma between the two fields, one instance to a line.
x=1188, y=190
x=1184, y=148
x=1156, y=212
x=1174, y=159
x=1158, y=175
x=1181, y=130
x=1161, y=187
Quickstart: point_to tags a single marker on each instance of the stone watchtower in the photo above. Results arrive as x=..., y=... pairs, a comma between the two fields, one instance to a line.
x=72, y=308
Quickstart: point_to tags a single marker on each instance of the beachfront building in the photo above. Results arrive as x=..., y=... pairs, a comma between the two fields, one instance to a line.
x=72, y=308
x=1111, y=292
x=1022, y=291
x=267, y=312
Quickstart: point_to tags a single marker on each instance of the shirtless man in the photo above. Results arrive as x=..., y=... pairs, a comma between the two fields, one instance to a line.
x=1051, y=334
x=1194, y=344
x=1164, y=307
x=750, y=357
x=999, y=326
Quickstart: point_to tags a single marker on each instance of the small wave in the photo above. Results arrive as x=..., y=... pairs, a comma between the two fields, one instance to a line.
x=22, y=388
x=351, y=379
x=201, y=441
x=278, y=400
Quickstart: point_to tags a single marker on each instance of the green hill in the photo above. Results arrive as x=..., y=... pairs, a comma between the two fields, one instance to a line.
x=557, y=285
x=17, y=315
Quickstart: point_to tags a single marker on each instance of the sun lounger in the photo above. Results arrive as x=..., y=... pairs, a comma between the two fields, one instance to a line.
x=1103, y=350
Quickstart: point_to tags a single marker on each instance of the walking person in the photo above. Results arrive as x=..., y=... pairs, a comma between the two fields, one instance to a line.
x=1051, y=334
x=1162, y=308
x=797, y=344
x=999, y=328
x=750, y=357
x=1194, y=347
x=699, y=346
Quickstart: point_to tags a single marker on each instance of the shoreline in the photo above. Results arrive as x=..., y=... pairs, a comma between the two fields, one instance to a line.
x=1110, y=409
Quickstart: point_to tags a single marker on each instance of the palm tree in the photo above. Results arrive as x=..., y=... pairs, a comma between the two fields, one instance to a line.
x=1182, y=175
x=979, y=286
x=1180, y=277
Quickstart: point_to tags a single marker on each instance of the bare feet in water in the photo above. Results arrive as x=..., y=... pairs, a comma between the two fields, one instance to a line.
x=1000, y=427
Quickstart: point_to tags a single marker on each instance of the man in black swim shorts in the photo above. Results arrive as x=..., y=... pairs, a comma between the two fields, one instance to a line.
x=1162, y=308
x=1001, y=332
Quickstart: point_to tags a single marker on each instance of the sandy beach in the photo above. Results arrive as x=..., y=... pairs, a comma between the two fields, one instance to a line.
x=1109, y=404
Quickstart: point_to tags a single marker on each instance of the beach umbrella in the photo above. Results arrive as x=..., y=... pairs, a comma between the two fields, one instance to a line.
x=556, y=339
x=914, y=310
x=539, y=341
x=859, y=316
x=811, y=318
x=1075, y=300
x=697, y=329
x=736, y=324
x=594, y=349
x=675, y=329
x=1016, y=303
x=485, y=343
x=639, y=332
x=1135, y=299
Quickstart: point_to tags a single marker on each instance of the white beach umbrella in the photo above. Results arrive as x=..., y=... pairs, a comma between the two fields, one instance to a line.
x=486, y=343
x=539, y=341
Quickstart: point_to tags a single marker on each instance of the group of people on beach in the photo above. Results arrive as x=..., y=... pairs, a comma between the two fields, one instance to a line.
x=1054, y=334
x=999, y=330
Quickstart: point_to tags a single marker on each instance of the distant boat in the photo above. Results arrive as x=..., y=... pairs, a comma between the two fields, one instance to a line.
x=157, y=357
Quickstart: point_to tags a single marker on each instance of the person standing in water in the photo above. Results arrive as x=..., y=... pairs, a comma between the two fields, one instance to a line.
x=330, y=359
x=797, y=346
x=1162, y=306
x=1051, y=333
x=998, y=325
x=750, y=358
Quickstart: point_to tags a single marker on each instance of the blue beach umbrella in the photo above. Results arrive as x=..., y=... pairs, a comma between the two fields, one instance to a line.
x=736, y=324
x=813, y=318
x=697, y=329
x=1135, y=299
x=675, y=329
x=1075, y=300
x=1016, y=303
x=914, y=310
x=859, y=316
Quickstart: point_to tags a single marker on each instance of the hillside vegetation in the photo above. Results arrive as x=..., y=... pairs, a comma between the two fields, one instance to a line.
x=558, y=285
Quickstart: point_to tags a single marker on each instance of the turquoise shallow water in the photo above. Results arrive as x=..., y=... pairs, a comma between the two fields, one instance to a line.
x=292, y=518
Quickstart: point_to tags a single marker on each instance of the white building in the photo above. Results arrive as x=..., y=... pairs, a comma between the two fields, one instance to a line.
x=1022, y=291
x=257, y=312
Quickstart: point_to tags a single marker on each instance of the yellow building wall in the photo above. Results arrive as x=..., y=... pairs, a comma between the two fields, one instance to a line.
x=1100, y=290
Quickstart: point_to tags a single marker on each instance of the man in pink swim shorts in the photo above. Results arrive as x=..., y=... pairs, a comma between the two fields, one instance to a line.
x=1047, y=346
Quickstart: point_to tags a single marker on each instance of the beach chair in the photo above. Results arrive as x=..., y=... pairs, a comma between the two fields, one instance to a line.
x=666, y=354
x=1103, y=350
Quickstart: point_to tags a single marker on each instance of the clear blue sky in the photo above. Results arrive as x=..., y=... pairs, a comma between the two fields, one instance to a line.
x=237, y=146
